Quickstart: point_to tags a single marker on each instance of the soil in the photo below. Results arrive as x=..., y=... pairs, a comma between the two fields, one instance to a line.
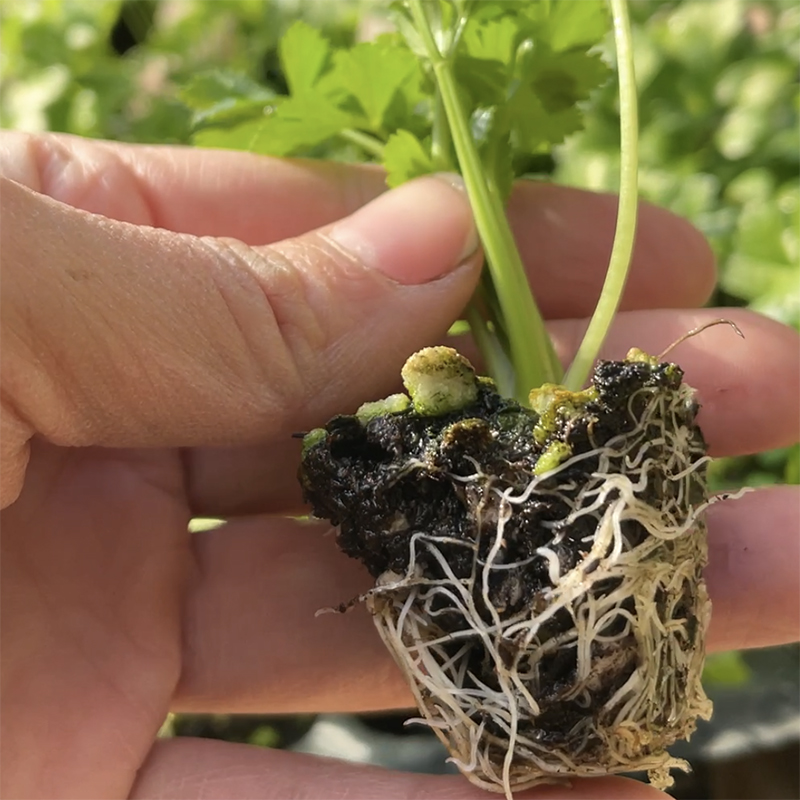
x=385, y=479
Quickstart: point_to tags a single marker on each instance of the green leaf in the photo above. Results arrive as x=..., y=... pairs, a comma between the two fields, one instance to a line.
x=561, y=80
x=236, y=137
x=404, y=158
x=491, y=39
x=544, y=109
x=229, y=113
x=300, y=123
x=207, y=89
x=485, y=81
x=533, y=126
x=372, y=72
x=580, y=24
x=792, y=469
x=304, y=54
x=727, y=669
x=224, y=98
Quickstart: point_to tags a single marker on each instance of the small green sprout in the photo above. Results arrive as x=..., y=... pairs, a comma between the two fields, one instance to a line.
x=312, y=437
x=440, y=380
x=393, y=404
x=555, y=454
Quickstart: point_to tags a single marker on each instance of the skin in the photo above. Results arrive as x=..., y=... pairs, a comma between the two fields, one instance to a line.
x=169, y=317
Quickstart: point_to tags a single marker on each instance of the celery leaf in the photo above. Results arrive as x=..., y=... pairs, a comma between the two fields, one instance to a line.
x=405, y=158
x=304, y=54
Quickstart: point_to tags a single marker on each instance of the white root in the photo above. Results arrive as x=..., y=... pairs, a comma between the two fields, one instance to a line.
x=641, y=601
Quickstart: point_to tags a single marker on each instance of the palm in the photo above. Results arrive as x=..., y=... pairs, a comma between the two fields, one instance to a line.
x=96, y=558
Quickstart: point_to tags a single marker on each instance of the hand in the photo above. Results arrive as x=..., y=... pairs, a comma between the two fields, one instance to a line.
x=153, y=371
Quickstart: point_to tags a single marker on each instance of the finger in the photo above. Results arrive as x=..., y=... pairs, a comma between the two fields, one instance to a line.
x=565, y=237
x=564, y=234
x=748, y=388
x=190, y=768
x=253, y=642
x=189, y=190
x=122, y=335
x=754, y=570
x=746, y=408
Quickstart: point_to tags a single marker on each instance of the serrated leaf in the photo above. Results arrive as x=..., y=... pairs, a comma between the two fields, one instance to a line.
x=577, y=24
x=372, y=72
x=304, y=54
x=534, y=126
x=491, y=39
x=224, y=98
x=404, y=158
x=485, y=81
x=300, y=123
x=237, y=137
x=561, y=80
x=206, y=89
x=401, y=17
x=231, y=113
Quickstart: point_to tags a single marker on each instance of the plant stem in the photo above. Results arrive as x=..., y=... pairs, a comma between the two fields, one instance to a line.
x=440, y=139
x=626, y=213
x=532, y=354
x=493, y=352
x=363, y=140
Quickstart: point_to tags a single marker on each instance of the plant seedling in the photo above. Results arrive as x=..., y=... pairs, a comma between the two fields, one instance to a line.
x=537, y=546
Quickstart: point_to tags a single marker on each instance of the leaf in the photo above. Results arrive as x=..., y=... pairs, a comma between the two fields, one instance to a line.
x=207, y=89
x=493, y=39
x=727, y=669
x=222, y=98
x=580, y=24
x=238, y=137
x=561, y=80
x=484, y=80
x=404, y=158
x=534, y=126
x=372, y=72
x=304, y=54
x=300, y=123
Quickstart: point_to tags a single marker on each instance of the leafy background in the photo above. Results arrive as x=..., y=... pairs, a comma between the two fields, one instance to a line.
x=719, y=145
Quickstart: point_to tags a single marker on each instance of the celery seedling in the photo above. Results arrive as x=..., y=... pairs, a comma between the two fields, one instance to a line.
x=537, y=548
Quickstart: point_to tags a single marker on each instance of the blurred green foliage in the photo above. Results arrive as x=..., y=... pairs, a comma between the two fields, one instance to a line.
x=720, y=142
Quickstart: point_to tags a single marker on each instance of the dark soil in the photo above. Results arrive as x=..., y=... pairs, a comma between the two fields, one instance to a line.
x=385, y=479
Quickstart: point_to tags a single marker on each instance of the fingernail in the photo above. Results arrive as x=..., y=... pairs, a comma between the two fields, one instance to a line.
x=414, y=234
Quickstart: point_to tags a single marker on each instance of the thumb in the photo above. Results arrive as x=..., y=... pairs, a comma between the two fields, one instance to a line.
x=123, y=335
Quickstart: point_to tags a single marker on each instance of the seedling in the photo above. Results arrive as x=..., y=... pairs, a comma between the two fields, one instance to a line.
x=537, y=546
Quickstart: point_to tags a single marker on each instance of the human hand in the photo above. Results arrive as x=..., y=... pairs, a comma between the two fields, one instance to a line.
x=150, y=374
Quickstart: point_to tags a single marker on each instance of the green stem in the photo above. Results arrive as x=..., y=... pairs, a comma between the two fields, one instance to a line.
x=440, y=140
x=363, y=140
x=494, y=355
x=626, y=213
x=532, y=353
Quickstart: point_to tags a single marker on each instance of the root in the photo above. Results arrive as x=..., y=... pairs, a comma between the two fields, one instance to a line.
x=628, y=616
